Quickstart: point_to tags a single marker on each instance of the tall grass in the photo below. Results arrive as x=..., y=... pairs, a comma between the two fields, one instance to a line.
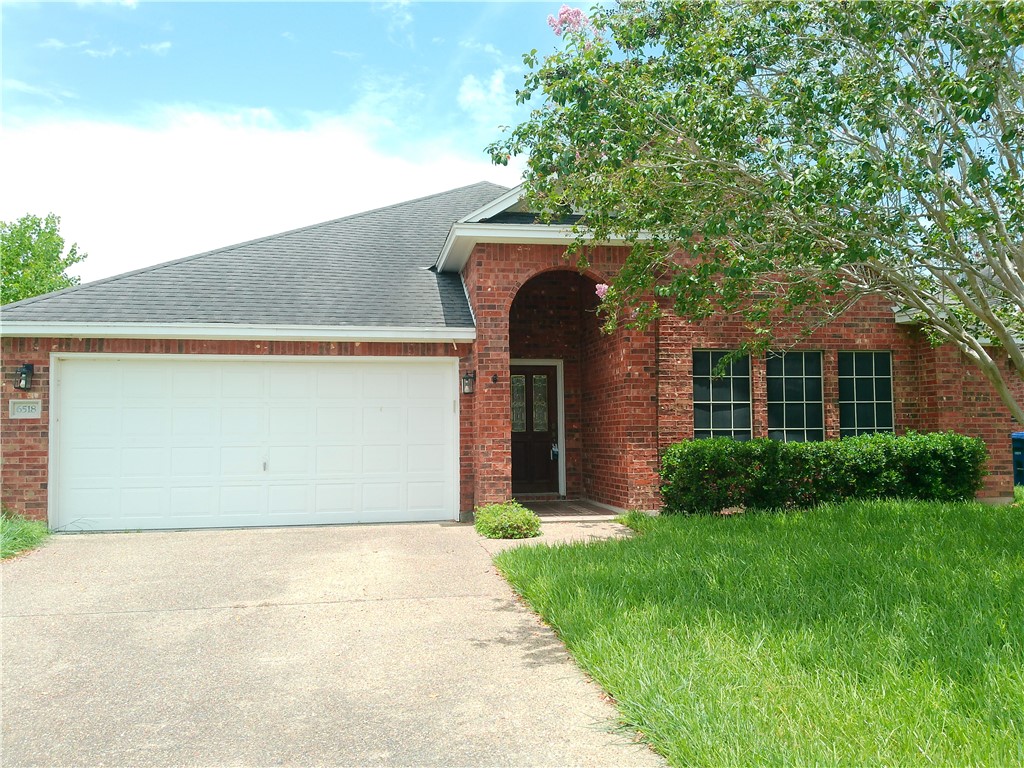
x=861, y=633
x=18, y=534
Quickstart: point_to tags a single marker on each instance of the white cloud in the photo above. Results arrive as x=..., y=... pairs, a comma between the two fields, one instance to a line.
x=400, y=21
x=489, y=103
x=105, y=53
x=159, y=49
x=59, y=45
x=488, y=48
x=189, y=181
x=56, y=95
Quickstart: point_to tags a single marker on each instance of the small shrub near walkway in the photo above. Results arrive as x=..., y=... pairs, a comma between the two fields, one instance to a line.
x=863, y=633
x=18, y=534
x=508, y=520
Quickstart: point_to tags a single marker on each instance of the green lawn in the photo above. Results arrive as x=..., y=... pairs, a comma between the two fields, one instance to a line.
x=863, y=633
x=18, y=534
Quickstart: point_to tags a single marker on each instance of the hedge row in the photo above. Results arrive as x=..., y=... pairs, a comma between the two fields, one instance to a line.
x=700, y=476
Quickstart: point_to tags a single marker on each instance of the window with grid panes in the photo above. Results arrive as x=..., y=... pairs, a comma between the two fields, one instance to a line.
x=795, y=403
x=865, y=393
x=721, y=404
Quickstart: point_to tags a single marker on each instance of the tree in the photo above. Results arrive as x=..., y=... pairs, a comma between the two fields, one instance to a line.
x=32, y=258
x=776, y=158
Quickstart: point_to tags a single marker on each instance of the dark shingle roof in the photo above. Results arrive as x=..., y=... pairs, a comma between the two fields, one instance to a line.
x=368, y=269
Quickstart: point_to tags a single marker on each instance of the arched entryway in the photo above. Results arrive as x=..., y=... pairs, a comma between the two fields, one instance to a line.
x=557, y=360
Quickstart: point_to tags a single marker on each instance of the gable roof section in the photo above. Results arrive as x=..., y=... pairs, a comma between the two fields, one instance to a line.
x=506, y=219
x=367, y=271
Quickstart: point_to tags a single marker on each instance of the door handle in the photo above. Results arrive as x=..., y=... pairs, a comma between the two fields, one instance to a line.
x=554, y=451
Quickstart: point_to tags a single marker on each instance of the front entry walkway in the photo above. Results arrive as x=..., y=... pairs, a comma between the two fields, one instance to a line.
x=582, y=509
x=353, y=645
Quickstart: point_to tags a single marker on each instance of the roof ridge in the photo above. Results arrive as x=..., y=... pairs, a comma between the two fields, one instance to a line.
x=233, y=246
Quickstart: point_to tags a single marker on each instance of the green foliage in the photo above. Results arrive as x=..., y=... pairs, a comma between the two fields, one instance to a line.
x=18, y=534
x=700, y=476
x=509, y=520
x=865, y=633
x=32, y=258
x=770, y=157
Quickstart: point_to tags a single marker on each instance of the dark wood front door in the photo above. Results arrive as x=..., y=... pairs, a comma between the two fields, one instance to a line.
x=534, y=429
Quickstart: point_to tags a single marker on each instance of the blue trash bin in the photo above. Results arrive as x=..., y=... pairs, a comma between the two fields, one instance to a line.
x=1018, y=457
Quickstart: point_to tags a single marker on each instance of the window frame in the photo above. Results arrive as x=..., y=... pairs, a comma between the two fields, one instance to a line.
x=857, y=401
x=714, y=357
x=807, y=433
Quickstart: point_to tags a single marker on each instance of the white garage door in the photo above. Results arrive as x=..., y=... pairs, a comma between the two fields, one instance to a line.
x=186, y=442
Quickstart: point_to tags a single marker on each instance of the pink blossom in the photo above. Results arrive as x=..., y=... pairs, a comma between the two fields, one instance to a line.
x=568, y=20
x=601, y=289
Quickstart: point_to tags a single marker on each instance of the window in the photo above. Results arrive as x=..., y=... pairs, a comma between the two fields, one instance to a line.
x=721, y=404
x=795, y=404
x=865, y=393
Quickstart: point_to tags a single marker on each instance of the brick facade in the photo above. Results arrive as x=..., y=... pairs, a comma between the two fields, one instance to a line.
x=628, y=395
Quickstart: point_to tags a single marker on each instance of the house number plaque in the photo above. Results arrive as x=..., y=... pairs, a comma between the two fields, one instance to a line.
x=26, y=409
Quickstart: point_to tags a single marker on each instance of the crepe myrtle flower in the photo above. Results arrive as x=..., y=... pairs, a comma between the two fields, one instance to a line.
x=601, y=289
x=568, y=20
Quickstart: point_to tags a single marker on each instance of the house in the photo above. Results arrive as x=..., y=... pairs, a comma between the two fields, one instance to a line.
x=409, y=363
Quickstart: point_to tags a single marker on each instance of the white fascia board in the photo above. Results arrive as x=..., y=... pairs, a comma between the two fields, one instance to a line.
x=503, y=203
x=212, y=331
x=464, y=237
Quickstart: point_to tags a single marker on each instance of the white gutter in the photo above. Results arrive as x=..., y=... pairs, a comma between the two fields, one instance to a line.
x=462, y=238
x=212, y=331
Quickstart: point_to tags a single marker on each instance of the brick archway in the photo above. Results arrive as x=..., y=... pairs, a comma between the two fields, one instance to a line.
x=617, y=392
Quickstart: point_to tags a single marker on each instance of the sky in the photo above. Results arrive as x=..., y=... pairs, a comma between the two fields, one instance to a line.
x=160, y=130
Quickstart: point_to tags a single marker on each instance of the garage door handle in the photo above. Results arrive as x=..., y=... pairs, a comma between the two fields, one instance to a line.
x=264, y=466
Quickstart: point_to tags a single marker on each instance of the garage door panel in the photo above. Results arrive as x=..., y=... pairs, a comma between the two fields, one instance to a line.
x=333, y=460
x=243, y=500
x=386, y=385
x=192, y=501
x=242, y=461
x=144, y=381
x=242, y=384
x=425, y=458
x=336, y=498
x=427, y=496
x=427, y=385
x=336, y=385
x=289, y=460
x=91, y=463
x=290, y=421
x=242, y=423
x=196, y=382
x=382, y=460
x=148, y=503
x=292, y=501
x=145, y=422
x=145, y=462
x=195, y=421
x=339, y=424
x=194, y=461
x=200, y=442
x=381, y=424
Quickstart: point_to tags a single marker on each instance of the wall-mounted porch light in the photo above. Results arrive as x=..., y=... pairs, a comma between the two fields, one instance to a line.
x=23, y=377
x=468, y=382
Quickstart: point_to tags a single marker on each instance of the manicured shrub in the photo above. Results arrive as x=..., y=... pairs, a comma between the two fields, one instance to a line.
x=509, y=520
x=700, y=476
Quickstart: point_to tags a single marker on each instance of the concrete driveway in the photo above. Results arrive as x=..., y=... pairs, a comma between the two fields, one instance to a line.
x=358, y=645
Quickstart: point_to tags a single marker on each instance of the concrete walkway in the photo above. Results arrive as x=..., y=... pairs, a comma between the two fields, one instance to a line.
x=357, y=645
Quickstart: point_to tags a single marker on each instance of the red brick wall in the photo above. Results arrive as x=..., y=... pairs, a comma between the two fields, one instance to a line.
x=612, y=441
x=933, y=389
x=24, y=445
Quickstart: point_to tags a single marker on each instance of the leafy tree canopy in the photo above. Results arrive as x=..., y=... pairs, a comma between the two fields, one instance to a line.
x=32, y=258
x=770, y=157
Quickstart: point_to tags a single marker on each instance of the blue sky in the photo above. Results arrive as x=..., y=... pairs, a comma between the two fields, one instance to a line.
x=157, y=130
